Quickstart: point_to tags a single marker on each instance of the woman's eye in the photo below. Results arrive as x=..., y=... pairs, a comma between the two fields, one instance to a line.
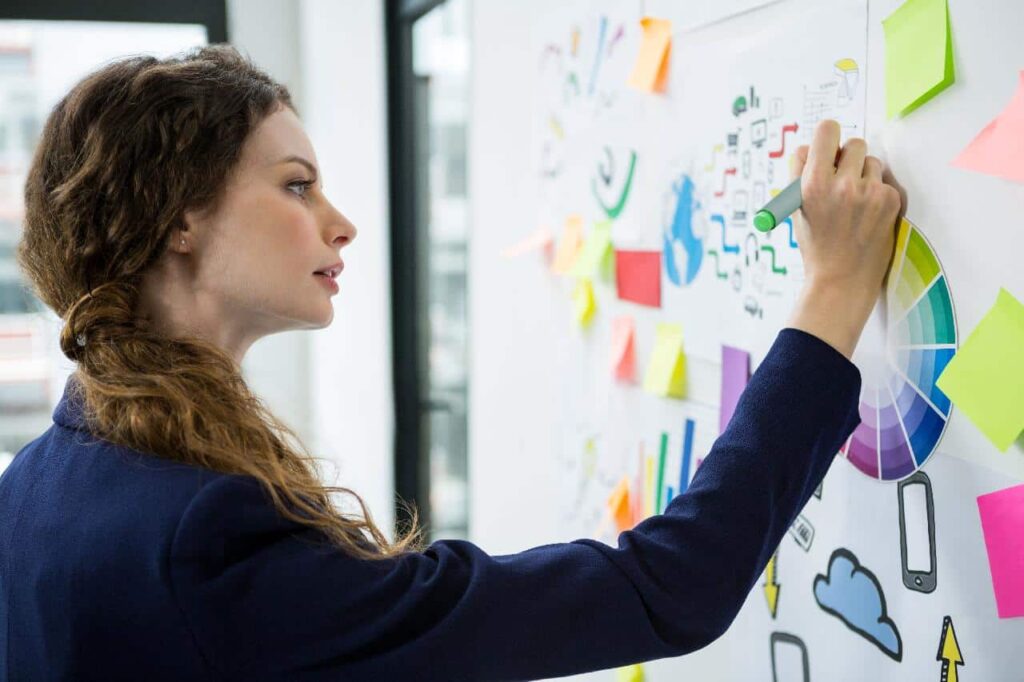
x=304, y=184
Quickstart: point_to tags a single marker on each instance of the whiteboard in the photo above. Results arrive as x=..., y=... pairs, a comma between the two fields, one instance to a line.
x=551, y=431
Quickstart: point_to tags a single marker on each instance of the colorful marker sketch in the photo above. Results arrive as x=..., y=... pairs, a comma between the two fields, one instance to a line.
x=683, y=250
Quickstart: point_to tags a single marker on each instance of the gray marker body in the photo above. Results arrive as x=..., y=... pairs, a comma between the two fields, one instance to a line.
x=784, y=204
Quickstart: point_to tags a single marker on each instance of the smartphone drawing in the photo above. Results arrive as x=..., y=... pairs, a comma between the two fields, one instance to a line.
x=789, y=658
x=917, y=532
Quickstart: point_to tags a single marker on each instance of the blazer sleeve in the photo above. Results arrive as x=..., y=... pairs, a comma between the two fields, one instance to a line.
x=264, y=601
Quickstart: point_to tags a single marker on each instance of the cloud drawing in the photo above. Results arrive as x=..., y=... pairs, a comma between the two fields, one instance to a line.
x=852, y=593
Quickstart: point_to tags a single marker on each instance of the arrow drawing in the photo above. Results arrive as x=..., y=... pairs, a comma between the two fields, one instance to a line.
x=615, y=38
x=727, y=171
x=597, y=55
x=728, y=248
x=771, y=585
x=949, y=652
x=714, y=156
x=791, y=128
x=718, y=271
x=792, y=239
x=771, y=251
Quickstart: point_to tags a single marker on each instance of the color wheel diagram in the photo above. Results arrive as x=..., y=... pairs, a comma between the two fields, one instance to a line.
x=906, y=346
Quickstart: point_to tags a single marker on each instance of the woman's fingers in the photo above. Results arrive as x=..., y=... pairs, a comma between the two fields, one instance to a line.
x=851, y=158
x=797, y=162
x=821, y=158
x=873, y=169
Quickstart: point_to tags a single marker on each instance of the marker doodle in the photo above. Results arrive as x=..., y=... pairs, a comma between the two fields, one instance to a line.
x=776, y=154
x=853, y=594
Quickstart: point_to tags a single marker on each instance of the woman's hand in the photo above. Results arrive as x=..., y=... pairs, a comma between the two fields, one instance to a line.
x=850, y=207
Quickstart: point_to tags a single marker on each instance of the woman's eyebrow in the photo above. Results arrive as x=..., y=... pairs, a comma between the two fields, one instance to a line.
x=299, y=159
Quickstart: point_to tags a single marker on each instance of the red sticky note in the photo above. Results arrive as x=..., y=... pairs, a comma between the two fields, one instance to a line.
x=999, y=148
x=638, y=276
x=1002, y=522
x=624, y=348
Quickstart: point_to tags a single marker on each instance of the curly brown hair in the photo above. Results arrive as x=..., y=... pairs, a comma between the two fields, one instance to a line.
x=122, y=157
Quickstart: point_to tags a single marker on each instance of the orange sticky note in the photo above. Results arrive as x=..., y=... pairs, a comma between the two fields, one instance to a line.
x=624, y=348
x=650, y=72
x=618, y=505
x=541, y=239
x=999, y=148
x=570, y=245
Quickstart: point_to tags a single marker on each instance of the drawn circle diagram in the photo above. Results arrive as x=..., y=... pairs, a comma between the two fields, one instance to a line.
x=906, y=346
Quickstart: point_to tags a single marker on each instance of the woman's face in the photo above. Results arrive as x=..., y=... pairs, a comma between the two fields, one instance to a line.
x=251, y=263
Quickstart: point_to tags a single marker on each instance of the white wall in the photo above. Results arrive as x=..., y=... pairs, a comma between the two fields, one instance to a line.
x=333, y=386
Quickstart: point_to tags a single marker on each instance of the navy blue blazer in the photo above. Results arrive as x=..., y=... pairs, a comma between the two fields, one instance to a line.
x=117, y=565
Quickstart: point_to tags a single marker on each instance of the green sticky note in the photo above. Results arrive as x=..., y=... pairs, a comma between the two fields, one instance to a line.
x=597, y=254
x=985, y=379
x=918, y=55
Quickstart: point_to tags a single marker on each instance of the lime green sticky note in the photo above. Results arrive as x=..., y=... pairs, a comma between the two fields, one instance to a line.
x=918, y=55
x=630, y=673
x=583, y=302
x=666, y=373
x=985, y=379
x=597, y=255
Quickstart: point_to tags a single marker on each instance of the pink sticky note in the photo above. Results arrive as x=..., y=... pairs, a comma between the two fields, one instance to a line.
x=999, y=148
x=638, y=276
x=624, y=348
x=1002, y=522
x=542, y=239
x=735, y=375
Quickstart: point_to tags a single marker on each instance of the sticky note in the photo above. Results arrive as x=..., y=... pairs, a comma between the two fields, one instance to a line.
x=583, y=302
x=650, y=71
x=619, y=506
x=570, y=244
x=666, y=372
x=1002, y=522
x=985, y=379
x=541, y=239
x=918, y=55
x=999, y=148
x=648, y=486
x=630, y=673
x=624, y=348
x=638, y=277
x=596, y=256
x=735, y=375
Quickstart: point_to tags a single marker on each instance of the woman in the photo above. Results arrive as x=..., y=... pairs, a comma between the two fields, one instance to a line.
x=166, y=527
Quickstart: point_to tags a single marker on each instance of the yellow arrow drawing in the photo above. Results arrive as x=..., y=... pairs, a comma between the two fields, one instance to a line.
x=771, y=585
x=949, y=652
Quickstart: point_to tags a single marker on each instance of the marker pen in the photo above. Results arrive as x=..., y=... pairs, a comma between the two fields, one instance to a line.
x=784, y=204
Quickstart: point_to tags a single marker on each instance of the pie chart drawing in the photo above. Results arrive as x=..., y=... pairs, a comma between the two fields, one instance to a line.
x=906, y=345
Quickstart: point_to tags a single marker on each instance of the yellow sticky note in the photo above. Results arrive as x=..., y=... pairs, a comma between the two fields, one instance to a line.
x=583, y=302
x=985, y=379
x=630, y=673
x=596, y=256
x=918, y=55
x=569, y=246
x=650, y=72
x=666, y=372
